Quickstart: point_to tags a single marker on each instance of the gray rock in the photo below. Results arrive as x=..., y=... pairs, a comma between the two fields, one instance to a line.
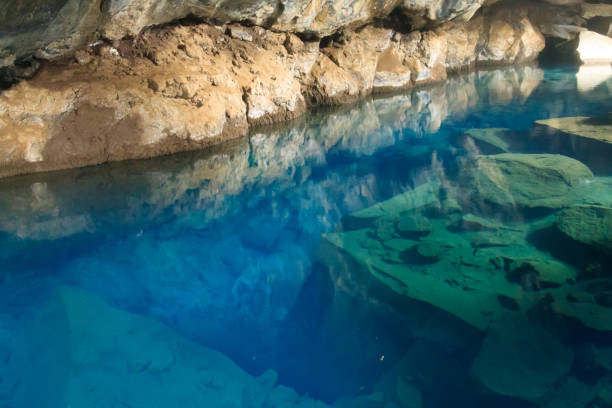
x=238, y=32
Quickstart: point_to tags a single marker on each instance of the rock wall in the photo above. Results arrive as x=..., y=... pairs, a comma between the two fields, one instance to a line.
x=53, y=28
x=182, y=87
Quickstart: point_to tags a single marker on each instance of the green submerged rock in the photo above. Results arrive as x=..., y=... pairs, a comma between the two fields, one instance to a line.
x=479, y=274
x=478, y=268
x=588, y=302
x=527, y=180
x=589, y=224
x=438, y=244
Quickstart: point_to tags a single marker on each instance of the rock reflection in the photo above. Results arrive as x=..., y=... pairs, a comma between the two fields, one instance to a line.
x=60, y=204
x=591, y=76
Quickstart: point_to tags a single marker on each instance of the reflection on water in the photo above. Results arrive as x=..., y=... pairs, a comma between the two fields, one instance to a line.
x=347, y=256
x=591, y=76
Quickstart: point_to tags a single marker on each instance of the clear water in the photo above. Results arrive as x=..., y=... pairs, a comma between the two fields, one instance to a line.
x=230, y=248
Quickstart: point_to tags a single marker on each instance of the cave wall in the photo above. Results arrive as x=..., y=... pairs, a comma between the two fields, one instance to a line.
x=50, y=29
x=108, y=80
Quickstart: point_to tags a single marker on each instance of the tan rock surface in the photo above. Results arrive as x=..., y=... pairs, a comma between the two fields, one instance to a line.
x=178, y=88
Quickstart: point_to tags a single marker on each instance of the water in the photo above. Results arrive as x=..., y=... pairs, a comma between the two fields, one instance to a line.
x=261, y=250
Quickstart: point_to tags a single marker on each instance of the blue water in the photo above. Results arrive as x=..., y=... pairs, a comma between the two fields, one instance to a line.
x=225, y=246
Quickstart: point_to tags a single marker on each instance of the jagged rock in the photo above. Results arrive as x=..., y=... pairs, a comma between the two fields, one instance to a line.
x=508, y=40
x=589, y=224
x=463, y=43
x=527, y=180
x=293, y=44
x=345, y=73
x=178, y=88
x=54, y=29
x=195, y=86
x=51, y=29
x=436, y=10
x=521, y=360
x=390, y=71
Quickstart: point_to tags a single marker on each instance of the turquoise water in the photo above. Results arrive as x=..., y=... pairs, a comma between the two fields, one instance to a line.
x=384, y=254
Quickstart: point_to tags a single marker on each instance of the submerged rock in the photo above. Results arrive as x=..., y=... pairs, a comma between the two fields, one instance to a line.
x=588, y=224
x=527, y=180
x=476, y=269
x=588, y=302
x=538, y=272
x=521, y=360
x=91, y=354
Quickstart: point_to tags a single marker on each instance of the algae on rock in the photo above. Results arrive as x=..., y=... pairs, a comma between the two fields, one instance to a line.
x=589, y=224
x=527, y=180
